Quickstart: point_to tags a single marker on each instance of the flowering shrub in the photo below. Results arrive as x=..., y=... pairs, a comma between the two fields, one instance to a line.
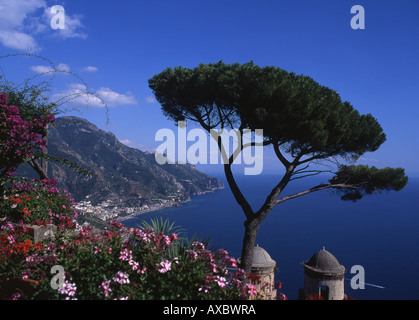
x=119, y=263
x=19, y=139
x=37, y=203
x=122, y=263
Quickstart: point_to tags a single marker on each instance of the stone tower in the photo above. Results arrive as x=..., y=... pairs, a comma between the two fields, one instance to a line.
x=263, y=266
x=323, y=276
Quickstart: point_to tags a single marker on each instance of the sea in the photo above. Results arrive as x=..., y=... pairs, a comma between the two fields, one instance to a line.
x=380, y=233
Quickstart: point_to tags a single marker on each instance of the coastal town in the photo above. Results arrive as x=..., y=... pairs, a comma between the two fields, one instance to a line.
x=108, y=210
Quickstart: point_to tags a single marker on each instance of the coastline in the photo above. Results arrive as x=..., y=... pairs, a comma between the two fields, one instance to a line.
x=154, y=208
x=162, y=206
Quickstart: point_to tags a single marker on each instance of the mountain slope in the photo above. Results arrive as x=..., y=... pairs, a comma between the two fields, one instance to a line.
x=122, y=175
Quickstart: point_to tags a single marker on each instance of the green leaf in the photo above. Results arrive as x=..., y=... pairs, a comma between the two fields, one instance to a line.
x=367, y=180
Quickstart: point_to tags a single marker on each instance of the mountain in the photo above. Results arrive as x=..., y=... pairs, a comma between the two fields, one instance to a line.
x=123, y=176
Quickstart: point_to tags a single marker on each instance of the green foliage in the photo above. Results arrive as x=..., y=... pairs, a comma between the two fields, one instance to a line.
x=298, y=116
x=31, y=99
x=123, y=263
x=36, y=203
x=368, y=180
x=183, y=243
x=294, y=111
x=187, y=93
x=160, y=225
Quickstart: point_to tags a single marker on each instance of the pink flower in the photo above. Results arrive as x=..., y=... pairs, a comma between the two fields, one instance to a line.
x=11, y=239
x=251, y=289
x=166, y=240
x=221, y=281
x=164, y=266
x=240, y=274
x=198, y=245
x=222, y=253
x=105, y=288
x=68, y=288
x=26, y=273
x=281, y=296
x=213, y=266
x=125, y=255
x=192, y=254
x=3, y=98
x=205, y=288
x=207, y=254
x=16, y=296
x=133, y=264
x=233, y=262
x=142, y=271
x=121, y=277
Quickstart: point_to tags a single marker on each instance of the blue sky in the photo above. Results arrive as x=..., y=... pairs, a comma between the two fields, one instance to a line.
x=116, y=46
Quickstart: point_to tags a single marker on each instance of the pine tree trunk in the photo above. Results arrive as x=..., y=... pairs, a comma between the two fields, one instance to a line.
x=249, y=241
x=254, y=221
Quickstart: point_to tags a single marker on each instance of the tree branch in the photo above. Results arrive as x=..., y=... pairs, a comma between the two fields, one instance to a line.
x=310, y=173
x=238, y=195
x=241, y=200
x=300, y=170
x=280, y=156
x=37, y=167
x=315, y=157
x=270, y=201
x=314, y=189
